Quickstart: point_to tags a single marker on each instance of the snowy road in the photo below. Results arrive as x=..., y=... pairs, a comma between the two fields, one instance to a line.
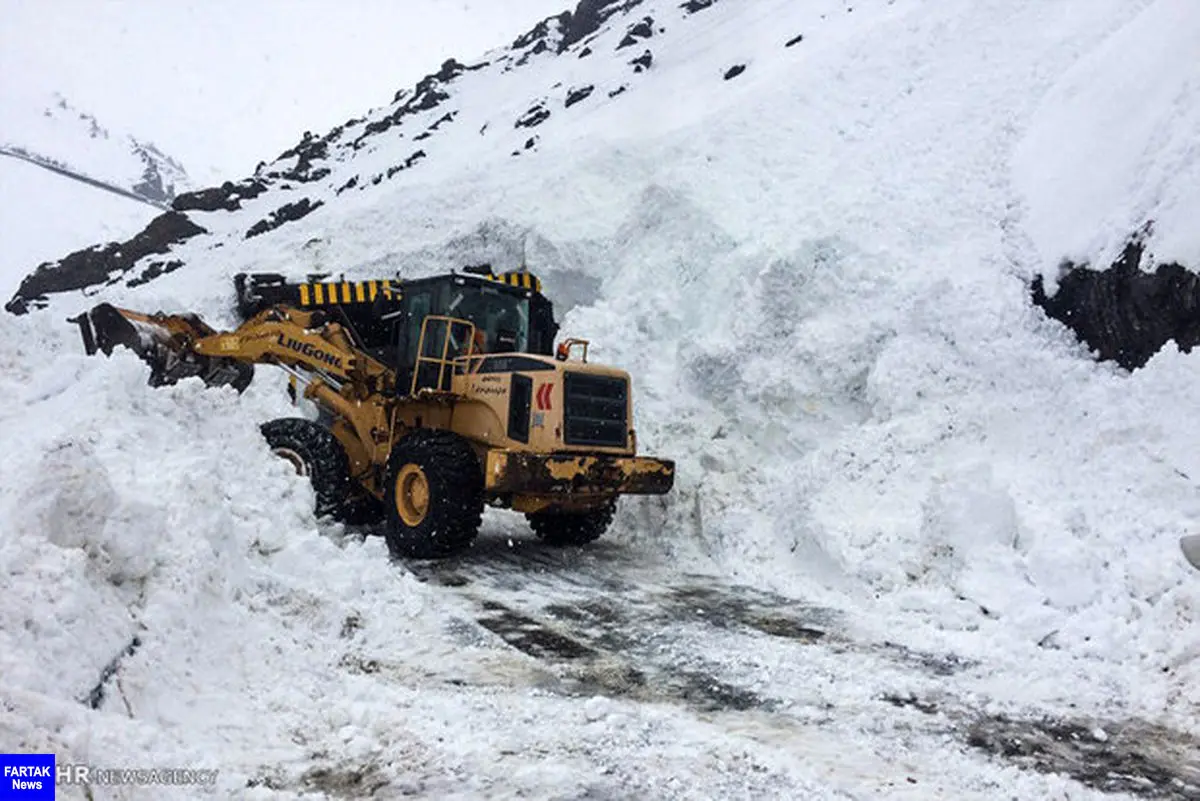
x=774, y=671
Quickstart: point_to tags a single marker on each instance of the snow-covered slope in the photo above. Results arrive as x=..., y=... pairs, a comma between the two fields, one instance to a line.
x=68, y=181
x=1111, y=147
x=223, y=86
x=49, y=131
x=42, y=212
x=808, y=230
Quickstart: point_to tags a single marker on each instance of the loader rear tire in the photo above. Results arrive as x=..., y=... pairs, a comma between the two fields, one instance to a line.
x=434, y=495
x=572, y=528
x=315, y=452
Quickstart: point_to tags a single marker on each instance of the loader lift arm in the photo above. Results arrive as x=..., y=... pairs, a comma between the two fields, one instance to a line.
x=182, y=345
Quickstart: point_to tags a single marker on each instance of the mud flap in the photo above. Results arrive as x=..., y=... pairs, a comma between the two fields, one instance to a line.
x=1191, y=549
x=162, y=342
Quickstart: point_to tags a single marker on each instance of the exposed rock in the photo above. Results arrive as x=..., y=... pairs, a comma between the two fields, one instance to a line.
x=309, y=150
x=734, y=71
x=440, y=121
x=533, y=117
x=227, y=196
x=426, y=95
x=538, y=34
x=692, y=6
x=540, y=47
x=797, y=39
x=587, y=18
x=154, y=269
x=636, y=32
x=284, y=214
x=1123, y=313
x=643, y=61
x=158, y=174
x=103, y=263
x=408, y=162
x=576, y=95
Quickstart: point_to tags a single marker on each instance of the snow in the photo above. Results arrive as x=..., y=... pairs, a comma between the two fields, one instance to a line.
x=816, y=274
x=46, y=216
x=222, y=84
x=1128, y=106
x=50, y=129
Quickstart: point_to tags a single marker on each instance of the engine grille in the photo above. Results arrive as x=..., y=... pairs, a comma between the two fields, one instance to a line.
x=595, y=410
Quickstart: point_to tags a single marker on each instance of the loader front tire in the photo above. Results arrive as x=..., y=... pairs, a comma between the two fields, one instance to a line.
x=314, y=452
x=434, y=495
x=572, y=528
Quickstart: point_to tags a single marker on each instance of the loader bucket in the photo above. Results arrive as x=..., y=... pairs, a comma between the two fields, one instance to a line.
x=161, y=341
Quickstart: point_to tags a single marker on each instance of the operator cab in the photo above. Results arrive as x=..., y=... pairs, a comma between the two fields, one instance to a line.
x=507, y=319
x=509, y=313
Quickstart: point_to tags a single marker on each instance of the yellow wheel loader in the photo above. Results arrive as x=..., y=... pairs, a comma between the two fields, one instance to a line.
x=435, y=396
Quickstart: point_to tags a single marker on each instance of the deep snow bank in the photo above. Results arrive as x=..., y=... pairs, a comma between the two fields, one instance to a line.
x=160, y=516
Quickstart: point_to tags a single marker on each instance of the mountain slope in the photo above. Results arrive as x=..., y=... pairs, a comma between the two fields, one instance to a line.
x=68, y=181
x=817, y=268
x=50, y=132
x=45, y=212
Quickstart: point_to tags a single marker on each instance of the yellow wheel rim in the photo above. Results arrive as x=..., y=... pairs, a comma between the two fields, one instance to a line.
x=412, y=494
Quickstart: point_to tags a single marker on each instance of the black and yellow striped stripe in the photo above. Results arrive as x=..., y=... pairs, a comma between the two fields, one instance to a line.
x=523, y=280
x=348, y=292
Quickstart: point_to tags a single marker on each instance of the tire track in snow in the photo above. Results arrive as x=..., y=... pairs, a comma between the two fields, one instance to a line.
x=611, y=625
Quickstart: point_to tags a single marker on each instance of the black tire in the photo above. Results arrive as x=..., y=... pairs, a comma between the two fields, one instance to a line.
x=314, y=451
x=441, y=468
x=572, y=528
x=361, y=509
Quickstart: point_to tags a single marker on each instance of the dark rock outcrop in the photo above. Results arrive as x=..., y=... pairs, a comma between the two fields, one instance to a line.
x=642, y=62
x=642, y=29
x=428, y=94
x=538, y=35
x=284, y=214
x=533, y=117
x=576, y=95
x=102, y=264
x=587, y=18
x=1124, y=313
x=404, y=165
x=227, y=197
x=309, y=150
x=154, y=269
